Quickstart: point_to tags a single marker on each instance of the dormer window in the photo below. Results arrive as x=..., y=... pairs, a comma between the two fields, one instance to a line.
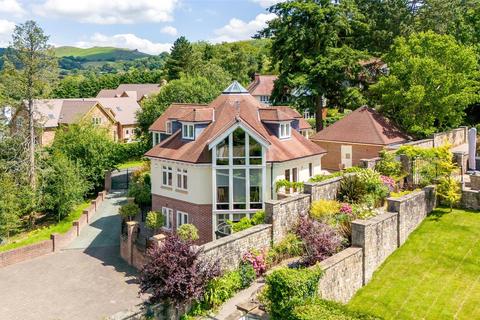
x=284, y=130
x=188, y=131
x=168, y=126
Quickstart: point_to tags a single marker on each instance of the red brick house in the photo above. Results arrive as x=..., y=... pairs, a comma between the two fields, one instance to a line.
x=218, y=162
x=362, y=134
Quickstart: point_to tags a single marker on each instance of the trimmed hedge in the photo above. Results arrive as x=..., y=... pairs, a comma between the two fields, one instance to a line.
x=321, y=309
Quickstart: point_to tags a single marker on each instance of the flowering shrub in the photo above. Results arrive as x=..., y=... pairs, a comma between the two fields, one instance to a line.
x=388, y=182
x=346, y=208
x=320, y=240
x=257, y=260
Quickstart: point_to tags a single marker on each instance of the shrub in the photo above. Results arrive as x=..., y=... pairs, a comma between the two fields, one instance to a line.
x=401, y=193
x=320, y=240
x=322, y=210
x=246, y=222
x=175, y=272
x=286, y=288
x=140, y=189
x=188, y=232
x=351, y=189
x=389, y=166
x=129, y=151
x=284, y=183
x=247, y=274
x=258, y=217
x=448, y=191
x=316, y=308
x=129, y=211
x=289, y=247
x=258, y=260
x=323, y=177
x=154, y=220
x=388, y=182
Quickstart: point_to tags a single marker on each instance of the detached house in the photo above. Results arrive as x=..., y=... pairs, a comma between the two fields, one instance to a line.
x=137, y=91
x=361, y=134
x=218, y=162
x=261, y=88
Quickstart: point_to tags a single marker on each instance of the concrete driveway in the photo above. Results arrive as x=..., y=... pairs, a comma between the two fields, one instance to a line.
x=88, y=280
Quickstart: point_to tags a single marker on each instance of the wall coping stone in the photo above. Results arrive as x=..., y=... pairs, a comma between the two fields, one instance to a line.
x=324, y=182
x=234, y=237
x=288, y=199
x=383, y=215
x=339, y=257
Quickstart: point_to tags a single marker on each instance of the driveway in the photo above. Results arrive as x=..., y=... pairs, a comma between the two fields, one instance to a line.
x=88, y=280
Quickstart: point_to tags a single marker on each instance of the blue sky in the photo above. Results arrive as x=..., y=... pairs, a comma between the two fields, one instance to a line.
x=150, y=26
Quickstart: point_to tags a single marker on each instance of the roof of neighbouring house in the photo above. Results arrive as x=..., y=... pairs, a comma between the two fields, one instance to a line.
x=124, y=108
x=74, y=110
x=134, y=90
x=47, y=112
x=227, y=110
x=262, y=85
x=362, y=126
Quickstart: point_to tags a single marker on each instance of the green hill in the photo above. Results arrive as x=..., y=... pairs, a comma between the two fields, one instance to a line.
x=99, y=53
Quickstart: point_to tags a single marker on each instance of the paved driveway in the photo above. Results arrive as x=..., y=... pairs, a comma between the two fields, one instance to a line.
x=88, y=280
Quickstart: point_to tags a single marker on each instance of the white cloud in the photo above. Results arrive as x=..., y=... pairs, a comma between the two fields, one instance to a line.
x=6, y=29
x=110, y=11
x=127, y=41
x=172, y=31
x=11, y=7
x=267, y=3
x=237, y=29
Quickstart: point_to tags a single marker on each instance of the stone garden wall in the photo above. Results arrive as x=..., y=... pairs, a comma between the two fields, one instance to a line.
x=326, y=190
x=470, y=199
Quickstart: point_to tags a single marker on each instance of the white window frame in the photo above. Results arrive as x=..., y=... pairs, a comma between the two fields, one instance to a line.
x=284, y=130
x=265, y=99
x=188, y=131
x=97, y=120
x=182, y=218
x=166, y=171
x=167, y=214
x=168, y=127
x=182, y=179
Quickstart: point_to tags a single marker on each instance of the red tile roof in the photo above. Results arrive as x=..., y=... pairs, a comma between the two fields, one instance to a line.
x=363, y=126
x=274, y=114
x=175, y=111
x=198, y=115
x=229, y=109
x=262, y=85
x=135, y=90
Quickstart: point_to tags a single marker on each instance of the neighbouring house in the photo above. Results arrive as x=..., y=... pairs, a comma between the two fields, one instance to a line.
x=219, y=162
x=138, y=91
x=361, y=134
x=261, y=88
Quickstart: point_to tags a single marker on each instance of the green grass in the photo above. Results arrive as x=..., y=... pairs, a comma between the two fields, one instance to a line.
x=44, y=233
x=434, y=275
x=99, y=53
x=131, y=164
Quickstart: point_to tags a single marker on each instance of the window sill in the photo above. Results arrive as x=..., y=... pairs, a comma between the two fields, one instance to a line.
x=181, y=191
x=166, y=188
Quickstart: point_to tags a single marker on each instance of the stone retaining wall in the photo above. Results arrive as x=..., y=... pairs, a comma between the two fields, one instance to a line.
x=56, y=242
x=470, y=199
x=325, y=190
x=342, y=275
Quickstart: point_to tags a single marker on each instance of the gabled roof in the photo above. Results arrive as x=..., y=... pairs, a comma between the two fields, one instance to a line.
x=136, y=90
x=198, y=115
x=74, y=110
x=362, y=126
x=274, y=114
x=262, y=85
x=47, y=112
x=124, y=108
x=175, y=111
x=229, y=110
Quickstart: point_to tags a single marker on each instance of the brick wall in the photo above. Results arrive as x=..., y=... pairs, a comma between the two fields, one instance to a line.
x=25, y=253
x=230, y=249
x=342, y=275
x=199, y=215
x=333, y=158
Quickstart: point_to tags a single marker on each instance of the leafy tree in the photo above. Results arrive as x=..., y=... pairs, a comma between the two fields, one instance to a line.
x=129, y=211
x=89, y=146
x=176, y=272
x=313, y=44
x=62, y=185
x=184, y=90
x=154, y=220
x=449, y=191
x=180, y=59
x=9, y=206
x=29, y=67
x=432, y=80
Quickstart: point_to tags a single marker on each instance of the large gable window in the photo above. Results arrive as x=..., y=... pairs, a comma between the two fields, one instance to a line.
x=188, y=131
x=284, y=130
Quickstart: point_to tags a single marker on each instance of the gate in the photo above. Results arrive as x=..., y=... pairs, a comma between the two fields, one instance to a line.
x=121, y=179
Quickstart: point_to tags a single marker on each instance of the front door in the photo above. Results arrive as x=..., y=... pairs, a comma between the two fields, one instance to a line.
x=346, y=156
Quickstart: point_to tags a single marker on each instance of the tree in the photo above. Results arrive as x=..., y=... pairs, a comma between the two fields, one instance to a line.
x=180, y=59
x=176, y=272
x=432, y=80
x=91, y=147
x=313, y=46
x=9, y=206
x=29, y=68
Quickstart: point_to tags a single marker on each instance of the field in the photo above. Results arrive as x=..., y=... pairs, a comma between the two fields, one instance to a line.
x=99, y=53
x=434, y=275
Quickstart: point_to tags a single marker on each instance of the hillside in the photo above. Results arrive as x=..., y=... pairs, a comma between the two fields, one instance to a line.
x=99, y=53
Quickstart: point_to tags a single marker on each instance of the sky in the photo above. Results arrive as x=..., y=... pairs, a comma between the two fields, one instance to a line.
x=150, y=26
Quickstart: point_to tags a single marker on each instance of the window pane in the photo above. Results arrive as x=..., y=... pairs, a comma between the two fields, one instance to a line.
x=222, y=152
x=255, y=185
x=222, y=187
x=190, y=131
x=185, y=185
x=255, y=152
x=238, y=146
x=239, y=186
x=179, y=181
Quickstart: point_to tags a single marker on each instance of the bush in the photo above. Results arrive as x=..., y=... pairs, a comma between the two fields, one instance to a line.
x=317, y=308
x=258, y=260
x=246, y=222
x=220, y=289
x=129, y=211
x=140, y=187
x=323, y=177
x=176, y=272
x=389, y=166
x=286, y=288
x=351, y=189
x=289, y=247
x=154, y=220
x=320, y=240
x=322, y=210
x=448, y=191
x=401, y=193
x=129, y=151
x=247, y=274
x=188, y=232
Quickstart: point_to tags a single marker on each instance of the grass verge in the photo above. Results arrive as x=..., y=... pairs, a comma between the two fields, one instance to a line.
x=43, y=233
x=131, y=164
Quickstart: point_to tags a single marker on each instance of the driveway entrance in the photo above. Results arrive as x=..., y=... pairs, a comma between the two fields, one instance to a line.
x=88, y=280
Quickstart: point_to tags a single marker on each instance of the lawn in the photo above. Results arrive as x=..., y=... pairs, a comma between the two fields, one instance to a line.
x=434, y=275
x=44, y=233
x=131, y=164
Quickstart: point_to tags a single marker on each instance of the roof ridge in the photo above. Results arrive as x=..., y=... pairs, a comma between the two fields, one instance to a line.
x=373, y=122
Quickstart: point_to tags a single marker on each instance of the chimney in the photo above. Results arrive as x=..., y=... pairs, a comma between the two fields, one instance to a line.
x=257, y=77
